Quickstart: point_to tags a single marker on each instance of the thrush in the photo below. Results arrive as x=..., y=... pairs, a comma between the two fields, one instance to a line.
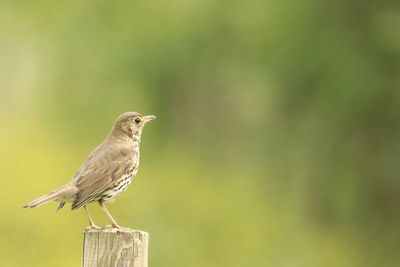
x=108, y=170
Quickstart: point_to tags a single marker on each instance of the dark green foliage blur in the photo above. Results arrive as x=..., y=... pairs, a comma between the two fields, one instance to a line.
x=276, y=143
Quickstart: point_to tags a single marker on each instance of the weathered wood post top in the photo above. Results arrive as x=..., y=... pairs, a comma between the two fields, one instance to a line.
x=115, y=247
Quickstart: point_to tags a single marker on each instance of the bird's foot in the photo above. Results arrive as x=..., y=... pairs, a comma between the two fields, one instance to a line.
x=92, y=226
x=114, y=226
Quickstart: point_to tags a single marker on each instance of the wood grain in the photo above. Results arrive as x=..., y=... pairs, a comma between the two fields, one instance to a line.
x=110, y=247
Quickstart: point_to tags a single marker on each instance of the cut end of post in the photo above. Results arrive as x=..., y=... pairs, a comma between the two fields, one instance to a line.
x=115, y=247
x=110, y=229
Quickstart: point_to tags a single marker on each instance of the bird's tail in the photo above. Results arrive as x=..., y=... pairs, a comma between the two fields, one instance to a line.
x=61, y=193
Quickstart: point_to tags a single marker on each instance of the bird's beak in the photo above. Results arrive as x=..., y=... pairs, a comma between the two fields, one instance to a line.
x=148, y=118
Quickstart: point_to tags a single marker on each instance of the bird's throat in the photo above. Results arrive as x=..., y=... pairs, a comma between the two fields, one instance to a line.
x=136, y=136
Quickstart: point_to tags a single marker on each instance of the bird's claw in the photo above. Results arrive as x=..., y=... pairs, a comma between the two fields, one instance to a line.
x=114, y=226
x=92, y=226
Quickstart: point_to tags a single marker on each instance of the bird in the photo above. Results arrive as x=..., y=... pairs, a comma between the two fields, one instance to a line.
x=107, y=171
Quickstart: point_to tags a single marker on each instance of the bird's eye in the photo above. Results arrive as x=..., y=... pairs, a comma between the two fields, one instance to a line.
x=137, y=120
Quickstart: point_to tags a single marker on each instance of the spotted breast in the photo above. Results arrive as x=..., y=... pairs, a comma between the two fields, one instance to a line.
x=122, y=183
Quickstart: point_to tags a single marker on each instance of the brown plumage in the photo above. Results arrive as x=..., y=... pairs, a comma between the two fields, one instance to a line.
x=107, y=171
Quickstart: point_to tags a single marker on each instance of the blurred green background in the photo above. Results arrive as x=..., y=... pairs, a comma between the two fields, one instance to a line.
x=276, y=142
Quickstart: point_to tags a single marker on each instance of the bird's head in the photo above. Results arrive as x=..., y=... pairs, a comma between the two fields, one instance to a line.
x=131, y=124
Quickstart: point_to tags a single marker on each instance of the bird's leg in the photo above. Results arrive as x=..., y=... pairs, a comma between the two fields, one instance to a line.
x=114, y=224
x=91, y=223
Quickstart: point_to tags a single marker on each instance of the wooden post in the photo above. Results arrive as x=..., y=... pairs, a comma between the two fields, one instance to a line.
x=110, y=247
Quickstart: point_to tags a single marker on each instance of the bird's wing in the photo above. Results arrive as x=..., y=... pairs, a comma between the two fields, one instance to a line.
x=101, y=169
